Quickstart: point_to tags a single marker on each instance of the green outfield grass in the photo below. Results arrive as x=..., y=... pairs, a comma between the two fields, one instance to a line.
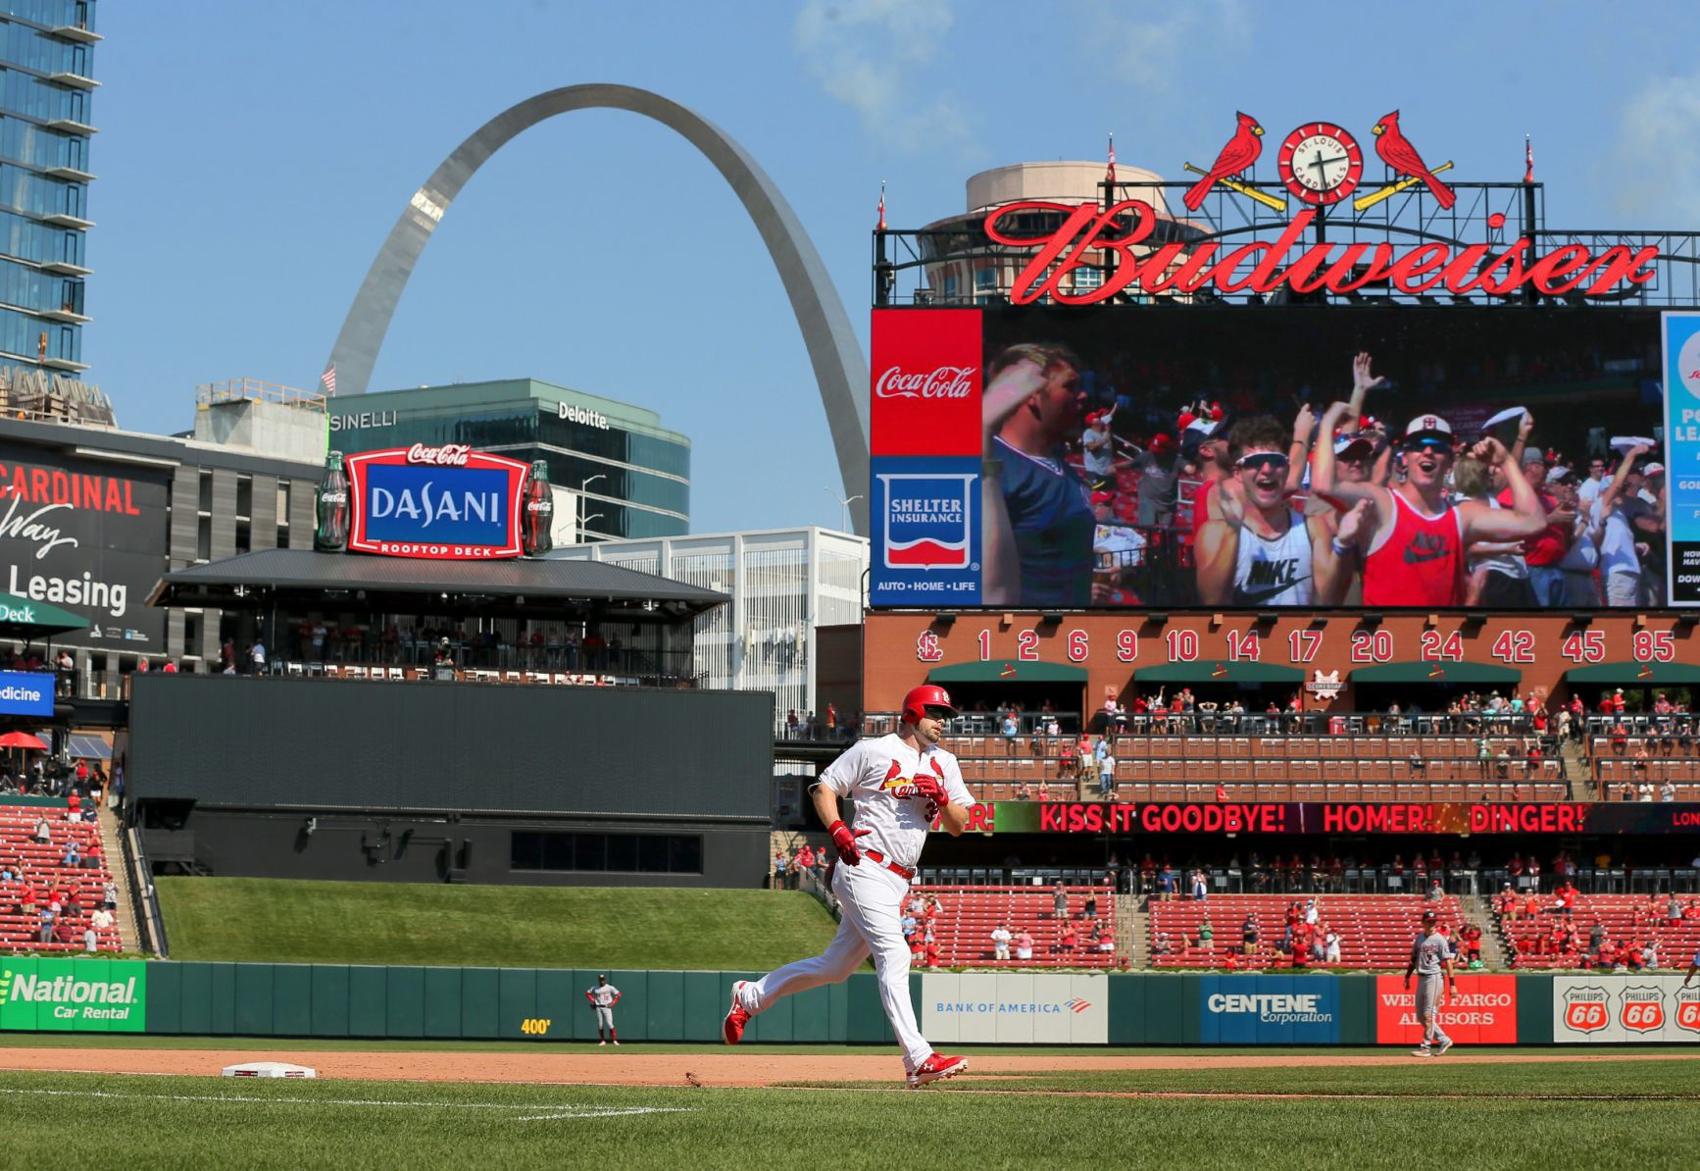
x=206, y=1122
x=280, y=921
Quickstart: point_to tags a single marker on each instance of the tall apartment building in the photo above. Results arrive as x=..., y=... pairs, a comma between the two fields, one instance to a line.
x=47, y=70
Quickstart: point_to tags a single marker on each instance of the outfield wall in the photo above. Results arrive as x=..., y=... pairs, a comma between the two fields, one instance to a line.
x=1050, y=1008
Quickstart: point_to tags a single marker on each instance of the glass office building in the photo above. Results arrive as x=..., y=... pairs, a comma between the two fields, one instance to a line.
x=617, y=472
x=47, y=59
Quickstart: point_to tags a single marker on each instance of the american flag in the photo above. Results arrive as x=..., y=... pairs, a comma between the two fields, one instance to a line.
x=1528, y=159
x=882, y=205
x=328, y=379
x=1110, y=173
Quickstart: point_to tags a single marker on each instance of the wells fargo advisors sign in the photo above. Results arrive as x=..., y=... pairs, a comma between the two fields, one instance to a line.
x=444, y=503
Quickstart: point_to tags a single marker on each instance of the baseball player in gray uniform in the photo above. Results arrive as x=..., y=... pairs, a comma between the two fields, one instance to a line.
x=1431, y=960
x=603, y=997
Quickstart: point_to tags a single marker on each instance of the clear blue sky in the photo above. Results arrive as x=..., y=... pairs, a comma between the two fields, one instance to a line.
x=252, y=157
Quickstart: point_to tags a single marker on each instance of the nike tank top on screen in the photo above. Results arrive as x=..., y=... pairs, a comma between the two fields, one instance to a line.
x=1274, y=571
x=1421, y=563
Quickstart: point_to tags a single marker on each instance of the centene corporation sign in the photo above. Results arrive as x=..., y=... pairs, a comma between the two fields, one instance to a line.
x=1261, y=266
x=447, y=502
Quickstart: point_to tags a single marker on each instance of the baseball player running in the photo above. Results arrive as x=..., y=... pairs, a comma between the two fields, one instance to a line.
x=900, y=783
x=603, y=997
x=1431, y=958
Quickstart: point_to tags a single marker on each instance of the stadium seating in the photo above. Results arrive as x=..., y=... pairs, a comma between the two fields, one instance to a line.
x=40, y=866
x=1645, y=753
x=963, y=931
x=1155, y=765
x=1375, y=931
x=1626, y=918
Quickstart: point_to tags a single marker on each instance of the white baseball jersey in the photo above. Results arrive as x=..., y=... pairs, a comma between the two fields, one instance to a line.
x=603, y=995
x=878, y=775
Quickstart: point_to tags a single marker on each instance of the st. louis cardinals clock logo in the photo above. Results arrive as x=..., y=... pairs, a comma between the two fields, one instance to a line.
x=1320, y=163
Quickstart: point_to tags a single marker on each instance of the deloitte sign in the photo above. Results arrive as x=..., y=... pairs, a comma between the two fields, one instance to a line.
x=81, y=995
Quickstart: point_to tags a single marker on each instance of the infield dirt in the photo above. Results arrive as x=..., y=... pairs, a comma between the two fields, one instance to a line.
x=628, y=1066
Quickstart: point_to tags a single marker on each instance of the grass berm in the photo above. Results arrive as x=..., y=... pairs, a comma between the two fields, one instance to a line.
x=289, y=921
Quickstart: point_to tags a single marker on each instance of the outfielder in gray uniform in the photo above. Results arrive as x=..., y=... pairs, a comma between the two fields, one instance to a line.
x=603, y=997
x=1431, y=960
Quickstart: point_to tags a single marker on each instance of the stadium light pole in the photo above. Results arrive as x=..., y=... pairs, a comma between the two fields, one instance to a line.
x=844, y=503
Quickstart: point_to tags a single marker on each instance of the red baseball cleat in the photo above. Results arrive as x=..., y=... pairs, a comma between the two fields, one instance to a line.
x=732, y=1028
x=935, y=1069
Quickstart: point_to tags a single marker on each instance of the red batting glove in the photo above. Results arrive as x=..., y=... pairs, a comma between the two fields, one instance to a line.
x=844, y=841
x=932, y=789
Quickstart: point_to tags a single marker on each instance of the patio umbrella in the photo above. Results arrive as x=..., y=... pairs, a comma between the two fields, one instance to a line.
x=22, y=740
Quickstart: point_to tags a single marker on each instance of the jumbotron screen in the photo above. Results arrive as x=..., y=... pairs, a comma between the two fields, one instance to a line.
x=1395, y=456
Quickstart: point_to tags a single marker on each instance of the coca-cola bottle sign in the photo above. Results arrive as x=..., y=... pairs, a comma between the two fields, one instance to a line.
x=330, y=527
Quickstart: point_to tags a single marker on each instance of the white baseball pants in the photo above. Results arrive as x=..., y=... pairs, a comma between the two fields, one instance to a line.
x=871, y=901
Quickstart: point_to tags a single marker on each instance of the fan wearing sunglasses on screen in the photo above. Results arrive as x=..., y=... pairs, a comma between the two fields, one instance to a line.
x=1257, y=549
x=1416, y=554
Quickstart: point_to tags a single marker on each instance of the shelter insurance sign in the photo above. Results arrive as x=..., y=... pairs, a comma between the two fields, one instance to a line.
x=88, y=536
x=445, y=503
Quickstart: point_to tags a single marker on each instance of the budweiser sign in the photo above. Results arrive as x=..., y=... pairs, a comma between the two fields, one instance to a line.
x=1090, y=234
x=942, y=382
x=450, y=455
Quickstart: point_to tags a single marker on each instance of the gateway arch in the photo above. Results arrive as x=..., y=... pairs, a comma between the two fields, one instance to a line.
x=840, y=369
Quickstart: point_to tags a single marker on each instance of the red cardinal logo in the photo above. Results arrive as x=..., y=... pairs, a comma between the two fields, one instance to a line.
x=1241, y=152
x=1396, y=151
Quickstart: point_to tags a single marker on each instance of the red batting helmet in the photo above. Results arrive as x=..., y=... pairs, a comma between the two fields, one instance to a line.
x=919, y=699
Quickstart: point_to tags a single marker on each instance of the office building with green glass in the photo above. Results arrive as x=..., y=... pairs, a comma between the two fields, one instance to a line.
x=46, y=59
x=617, y=472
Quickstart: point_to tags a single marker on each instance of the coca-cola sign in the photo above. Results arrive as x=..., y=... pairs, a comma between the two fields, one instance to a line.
x=926, y=382
x=449, y=455
x=939, y=382
x=448, y=503
x=1091, y=234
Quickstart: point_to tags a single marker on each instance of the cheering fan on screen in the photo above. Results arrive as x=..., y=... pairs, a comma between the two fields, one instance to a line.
x=1416, y=553
x=1256, y=549
x=1037, y=521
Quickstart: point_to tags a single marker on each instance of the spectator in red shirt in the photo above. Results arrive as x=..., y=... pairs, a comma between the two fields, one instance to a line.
x=1070, y=939
x=1301, y=945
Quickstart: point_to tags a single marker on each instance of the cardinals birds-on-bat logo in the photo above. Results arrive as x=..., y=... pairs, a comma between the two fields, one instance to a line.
x=1239, y=154
x=1394, y=149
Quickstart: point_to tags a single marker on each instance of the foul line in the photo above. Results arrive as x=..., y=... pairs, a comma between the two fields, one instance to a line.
x=549, y=1111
